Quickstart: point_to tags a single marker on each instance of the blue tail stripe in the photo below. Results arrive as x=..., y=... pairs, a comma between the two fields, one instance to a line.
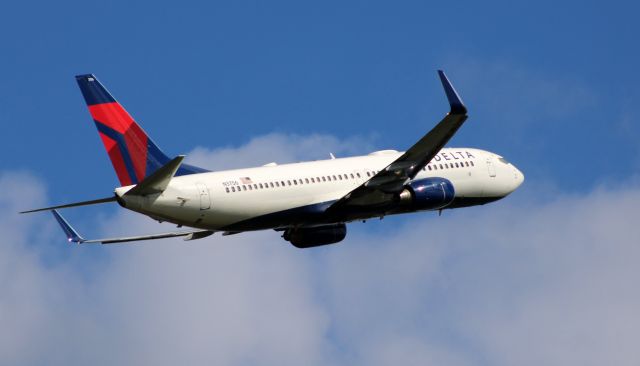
x=122, y=146
x=186, y=169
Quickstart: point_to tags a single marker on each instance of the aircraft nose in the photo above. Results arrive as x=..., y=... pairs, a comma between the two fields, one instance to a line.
x=518, y=178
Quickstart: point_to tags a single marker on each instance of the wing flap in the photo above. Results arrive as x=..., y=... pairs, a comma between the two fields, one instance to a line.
x=189, y=235
x=74, y=237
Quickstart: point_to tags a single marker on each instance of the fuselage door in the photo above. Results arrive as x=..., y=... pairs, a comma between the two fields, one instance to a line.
x=205, y=200
x=491, y=167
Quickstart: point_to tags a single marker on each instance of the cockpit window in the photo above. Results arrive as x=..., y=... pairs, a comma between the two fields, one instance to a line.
x=503, y=160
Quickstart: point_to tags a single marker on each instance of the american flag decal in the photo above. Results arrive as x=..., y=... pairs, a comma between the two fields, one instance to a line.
x=246, y=180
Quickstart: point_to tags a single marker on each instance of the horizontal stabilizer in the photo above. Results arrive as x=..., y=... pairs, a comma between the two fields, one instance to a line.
x=159, y=180
x=84, y=203
x=74, y=237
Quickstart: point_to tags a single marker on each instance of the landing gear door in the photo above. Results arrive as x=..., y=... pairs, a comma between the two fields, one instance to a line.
x=491, y=167
x=205, y=200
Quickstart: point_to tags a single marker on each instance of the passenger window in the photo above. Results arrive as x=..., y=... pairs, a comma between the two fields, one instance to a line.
x=295, y=182
x=260, y=186
x=471, y=162
x=306, y=180
x=429, y=166
x=300, y=181
x=441, y=166
x=244, y=188
x=227, y=189
x=352, y=177
x=339, y=176
x=324, y=179
x=271, y=184
x=368, y=175
x=233, y=189
x=457, y=165
x=358, y=175
x=313, y=180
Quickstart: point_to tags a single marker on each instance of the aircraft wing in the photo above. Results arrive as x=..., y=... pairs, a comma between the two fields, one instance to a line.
x=391, y=180
x=74, y=237
x=84, y=203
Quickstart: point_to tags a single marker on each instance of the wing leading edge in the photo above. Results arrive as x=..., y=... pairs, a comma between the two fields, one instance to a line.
x=391, y=180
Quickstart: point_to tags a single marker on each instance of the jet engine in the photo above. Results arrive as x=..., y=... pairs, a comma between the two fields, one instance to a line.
x=308, y=237
x=427, y=194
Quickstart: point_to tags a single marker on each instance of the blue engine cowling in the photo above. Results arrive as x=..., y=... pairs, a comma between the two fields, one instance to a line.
x=307, y=237
x=428, y=194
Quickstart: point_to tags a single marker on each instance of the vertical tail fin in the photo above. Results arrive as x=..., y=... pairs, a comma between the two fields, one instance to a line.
x=133, y=154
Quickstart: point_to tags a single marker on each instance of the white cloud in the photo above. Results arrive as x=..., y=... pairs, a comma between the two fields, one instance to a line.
x=516, y=282
x=279, y=148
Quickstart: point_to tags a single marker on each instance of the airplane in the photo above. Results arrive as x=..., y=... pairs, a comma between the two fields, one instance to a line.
x=310, y=203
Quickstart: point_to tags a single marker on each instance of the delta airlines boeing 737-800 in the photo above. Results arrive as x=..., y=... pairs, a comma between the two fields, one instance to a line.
x=309, y=202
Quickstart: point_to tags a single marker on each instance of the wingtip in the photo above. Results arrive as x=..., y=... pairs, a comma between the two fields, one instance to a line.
x=457, y=106
x=85, y=76
x=72, y=235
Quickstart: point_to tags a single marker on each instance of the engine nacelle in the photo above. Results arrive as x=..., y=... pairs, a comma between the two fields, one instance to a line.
x=307, y=237
x=428, y=194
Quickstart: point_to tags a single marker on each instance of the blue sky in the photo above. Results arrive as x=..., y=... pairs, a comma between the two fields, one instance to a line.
x=554, y=82
x=552, y=86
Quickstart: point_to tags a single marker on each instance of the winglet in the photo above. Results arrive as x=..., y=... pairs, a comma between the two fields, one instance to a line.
x=159, y=180
x=457, y=106
x=72, y=235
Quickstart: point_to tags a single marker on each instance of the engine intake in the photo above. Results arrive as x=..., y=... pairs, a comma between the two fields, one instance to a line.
x=308, y=237
x=428, y=194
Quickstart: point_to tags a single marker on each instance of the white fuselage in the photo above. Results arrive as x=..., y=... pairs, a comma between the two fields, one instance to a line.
x=220, y=200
